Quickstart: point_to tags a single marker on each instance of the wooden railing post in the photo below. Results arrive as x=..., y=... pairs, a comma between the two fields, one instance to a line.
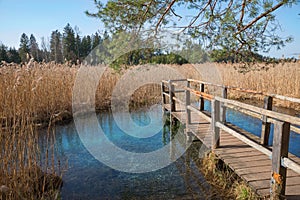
x=189, y=135
x=223, y=108
x=187, y=103
x=201, y=100
x=162, y=92
x=215, y=117
x=279, y=151
x=171, y=93
x=266, y=126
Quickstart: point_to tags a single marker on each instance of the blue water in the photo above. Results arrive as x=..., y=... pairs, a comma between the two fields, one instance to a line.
x=253, y=125
x=85, y=177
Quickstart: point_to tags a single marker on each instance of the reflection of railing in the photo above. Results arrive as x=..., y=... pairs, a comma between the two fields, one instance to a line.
x=283, y=123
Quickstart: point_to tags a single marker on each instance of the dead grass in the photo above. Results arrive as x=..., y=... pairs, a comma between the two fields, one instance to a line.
x=228, y=184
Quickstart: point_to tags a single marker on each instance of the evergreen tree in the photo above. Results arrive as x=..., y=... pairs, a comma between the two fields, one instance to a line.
x=24, y=49
x=13, y=56
x=3, y=53
x=78, y=46
x=96, y=40
x=86, y=46
x=34, y=48
x=69, y=44
x=56, y=47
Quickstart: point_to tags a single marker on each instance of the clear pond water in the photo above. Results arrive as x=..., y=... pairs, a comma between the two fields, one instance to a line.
x=86, y=178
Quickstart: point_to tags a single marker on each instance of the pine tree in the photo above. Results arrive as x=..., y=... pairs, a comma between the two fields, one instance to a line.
x=86, y=46
x=69, y=44
x=13, y=56
x=56, y=47
x=96, y=40
x=24, y=49
x=34, y=48
x=3, y=53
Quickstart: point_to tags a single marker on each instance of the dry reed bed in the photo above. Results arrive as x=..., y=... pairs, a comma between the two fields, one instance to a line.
x=283, y=79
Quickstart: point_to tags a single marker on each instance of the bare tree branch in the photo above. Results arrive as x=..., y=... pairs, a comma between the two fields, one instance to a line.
x=242, y=12
x=260, y=16
x=164, y=14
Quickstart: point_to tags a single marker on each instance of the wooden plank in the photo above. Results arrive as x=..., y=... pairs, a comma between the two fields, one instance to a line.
x=245, y=139
x=192, y=108
x=265, y=175
x=243, y=165
x=254, y=170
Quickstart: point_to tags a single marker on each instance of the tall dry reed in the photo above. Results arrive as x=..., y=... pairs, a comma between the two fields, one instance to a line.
x=283, y=79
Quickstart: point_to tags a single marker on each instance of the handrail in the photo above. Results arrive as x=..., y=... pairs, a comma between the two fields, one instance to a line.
x=262, y=111
x=280, y=97
x=283, y=123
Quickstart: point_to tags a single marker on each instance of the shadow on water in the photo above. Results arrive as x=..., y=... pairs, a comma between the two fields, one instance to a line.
x=87, y=178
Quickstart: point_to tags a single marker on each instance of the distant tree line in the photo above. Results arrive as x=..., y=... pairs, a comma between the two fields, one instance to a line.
x=62, y=47
x=70, y=46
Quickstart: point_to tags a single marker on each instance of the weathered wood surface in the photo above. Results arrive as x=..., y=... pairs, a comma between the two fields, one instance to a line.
x=250, y=164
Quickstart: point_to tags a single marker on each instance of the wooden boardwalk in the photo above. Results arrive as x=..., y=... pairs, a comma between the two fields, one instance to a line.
x=240, y=150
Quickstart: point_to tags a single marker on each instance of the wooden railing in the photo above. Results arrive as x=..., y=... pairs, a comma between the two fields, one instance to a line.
x=283, y=123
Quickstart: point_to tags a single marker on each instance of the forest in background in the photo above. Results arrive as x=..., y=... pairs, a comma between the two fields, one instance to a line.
x=70, y=47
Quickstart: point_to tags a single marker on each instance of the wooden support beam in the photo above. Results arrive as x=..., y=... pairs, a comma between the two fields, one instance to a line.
x=223, y=107
x=187, y=103
x=171, y=93
x=201, y=99
x=163, y=93
x=280, y=151
x=266, y=126
x=215, y=118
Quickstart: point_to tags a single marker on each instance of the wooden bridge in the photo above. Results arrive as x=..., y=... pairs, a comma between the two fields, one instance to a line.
x=270, y=170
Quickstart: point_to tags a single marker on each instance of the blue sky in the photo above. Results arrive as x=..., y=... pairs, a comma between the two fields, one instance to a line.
x=41, y=17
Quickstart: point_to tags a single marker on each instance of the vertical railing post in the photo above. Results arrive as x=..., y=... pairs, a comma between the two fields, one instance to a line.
x=201, y=100
x=266, y=126
x=279, y=151
x=163, y=91
x=171, y=93
x=215, y=117
x=188, y=112
x=187, y=103
x=223, y=108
